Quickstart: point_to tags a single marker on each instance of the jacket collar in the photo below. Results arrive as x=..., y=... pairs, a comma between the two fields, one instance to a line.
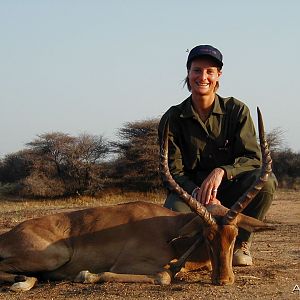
x=189, y=112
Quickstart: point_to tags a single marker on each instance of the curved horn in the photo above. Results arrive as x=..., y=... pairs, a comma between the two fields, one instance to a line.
x=167, y=178
x=266, y=169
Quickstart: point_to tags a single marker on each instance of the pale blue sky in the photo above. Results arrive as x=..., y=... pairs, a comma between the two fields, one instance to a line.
x=90, y=66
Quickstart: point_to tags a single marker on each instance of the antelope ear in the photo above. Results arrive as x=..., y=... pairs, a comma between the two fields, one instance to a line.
x=248, y=223
x=253, y=225
x=217, y=210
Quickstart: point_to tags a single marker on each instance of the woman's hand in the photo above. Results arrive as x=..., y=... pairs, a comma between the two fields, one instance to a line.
x=208, y=190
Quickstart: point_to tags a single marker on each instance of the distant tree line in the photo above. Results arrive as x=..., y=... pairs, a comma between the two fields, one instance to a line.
x=57, y=164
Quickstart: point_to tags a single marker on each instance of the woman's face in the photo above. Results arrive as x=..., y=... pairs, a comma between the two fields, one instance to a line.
x=203, y=76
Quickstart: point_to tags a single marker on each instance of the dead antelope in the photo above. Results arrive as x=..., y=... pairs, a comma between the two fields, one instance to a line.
x=132, y=242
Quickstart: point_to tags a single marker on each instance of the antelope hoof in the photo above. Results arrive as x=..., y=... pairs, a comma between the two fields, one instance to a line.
x=87, y=277
x=24, y=286
x=163, y=278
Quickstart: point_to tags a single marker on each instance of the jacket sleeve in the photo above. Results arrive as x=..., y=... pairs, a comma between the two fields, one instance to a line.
x=246, y=151
x=174, y=155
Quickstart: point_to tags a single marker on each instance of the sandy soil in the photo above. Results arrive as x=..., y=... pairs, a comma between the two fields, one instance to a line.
x=275, y=274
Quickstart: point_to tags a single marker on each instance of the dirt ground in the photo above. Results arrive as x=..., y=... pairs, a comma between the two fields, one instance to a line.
x=275, y=274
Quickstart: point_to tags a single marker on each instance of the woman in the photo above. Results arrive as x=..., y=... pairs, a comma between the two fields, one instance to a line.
x=213, y=150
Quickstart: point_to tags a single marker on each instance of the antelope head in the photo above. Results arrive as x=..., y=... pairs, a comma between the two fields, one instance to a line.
x=220, y=223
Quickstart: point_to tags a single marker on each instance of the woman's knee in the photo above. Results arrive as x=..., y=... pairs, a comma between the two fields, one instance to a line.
x=271, y=184
x=174, y=202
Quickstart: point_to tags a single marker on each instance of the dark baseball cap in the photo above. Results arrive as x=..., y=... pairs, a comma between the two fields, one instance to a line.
x=205, y=50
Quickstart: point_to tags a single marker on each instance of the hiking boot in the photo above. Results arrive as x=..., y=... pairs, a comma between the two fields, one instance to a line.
x=242, y=255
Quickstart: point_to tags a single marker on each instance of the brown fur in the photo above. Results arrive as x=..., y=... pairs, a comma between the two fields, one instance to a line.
x=132, y=242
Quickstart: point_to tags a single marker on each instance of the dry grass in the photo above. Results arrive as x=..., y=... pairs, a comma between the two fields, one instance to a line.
x=273, y=275
x=17, y=210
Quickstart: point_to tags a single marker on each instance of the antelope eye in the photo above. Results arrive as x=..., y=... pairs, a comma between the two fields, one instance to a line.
x=210, y=236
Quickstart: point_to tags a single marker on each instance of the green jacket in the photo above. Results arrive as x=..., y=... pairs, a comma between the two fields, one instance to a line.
x=226, y=140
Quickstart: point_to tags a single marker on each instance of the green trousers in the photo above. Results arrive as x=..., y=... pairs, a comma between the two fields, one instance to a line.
x=230, y=191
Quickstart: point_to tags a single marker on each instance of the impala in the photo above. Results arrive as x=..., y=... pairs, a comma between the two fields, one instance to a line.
x=131, y=242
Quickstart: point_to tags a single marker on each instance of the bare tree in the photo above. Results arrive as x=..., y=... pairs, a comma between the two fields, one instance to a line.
x=275, y=139
x=84, y=162
x=50, y=151
x=136, y=165
x=65, y=165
